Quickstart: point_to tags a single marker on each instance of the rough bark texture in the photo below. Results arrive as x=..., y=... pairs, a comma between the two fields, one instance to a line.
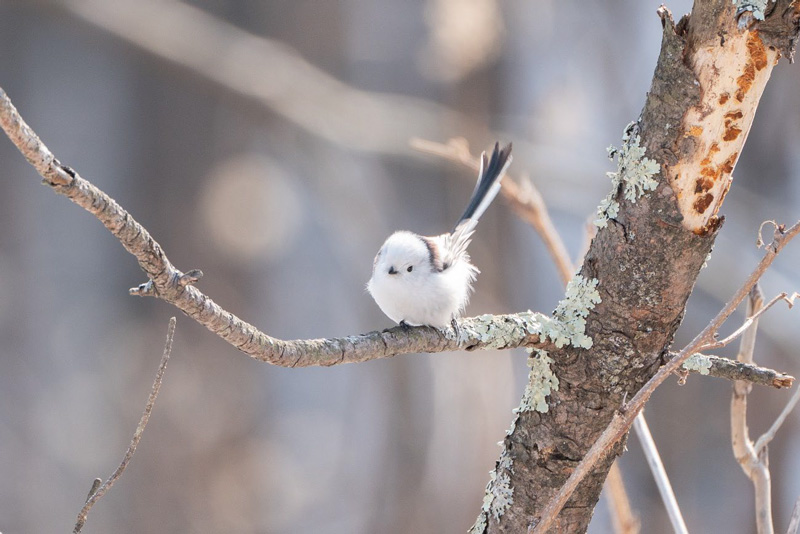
x=646, y=262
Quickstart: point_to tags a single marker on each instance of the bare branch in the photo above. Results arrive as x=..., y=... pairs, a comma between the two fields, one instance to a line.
x=794, y=520
x=524, y=199
x=659, y=474
x=623, y=519
x=753, y=464
x=734, y=370
x=291, y=87
x=623, y=419
x=97, y=491
x=750, y=321
x=175, y=287
x=764, y=440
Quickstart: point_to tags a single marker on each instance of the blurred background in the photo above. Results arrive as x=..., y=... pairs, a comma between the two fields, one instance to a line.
x=267, y=143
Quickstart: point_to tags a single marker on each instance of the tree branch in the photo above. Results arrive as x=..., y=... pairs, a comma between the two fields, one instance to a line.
x=175, y=287
x=97, y=491
x=734, y=370
x=763, y=441
x=794, y=520
x=623, y=419
x=753, y=464
x=659, y=474
x=623, y=520
x=292, y=88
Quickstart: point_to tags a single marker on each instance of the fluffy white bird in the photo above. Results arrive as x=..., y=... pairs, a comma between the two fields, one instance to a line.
x=421, y=280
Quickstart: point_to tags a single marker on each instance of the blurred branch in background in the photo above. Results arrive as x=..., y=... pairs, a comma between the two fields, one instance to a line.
x=271, y=74
x=524, y=199
x=97, y=491
x=173, y=286
x=753, y=456
x=659, y=474
x=623, y=520
x=794, y=520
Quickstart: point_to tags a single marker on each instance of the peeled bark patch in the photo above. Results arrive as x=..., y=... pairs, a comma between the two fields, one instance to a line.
x=732, y=78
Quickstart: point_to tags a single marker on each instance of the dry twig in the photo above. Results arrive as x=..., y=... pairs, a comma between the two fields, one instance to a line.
x=623, y=420
x=794, y=520
x=292, y=87
x=753, y=464
x=623, y=520
x=659, y=474
x=97, y=491
x=750, y=321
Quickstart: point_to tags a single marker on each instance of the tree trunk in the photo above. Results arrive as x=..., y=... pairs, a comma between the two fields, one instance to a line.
x=710, y=75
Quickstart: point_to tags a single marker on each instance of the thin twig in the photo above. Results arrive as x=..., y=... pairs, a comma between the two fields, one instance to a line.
x=623, y=420
x=754, y=465
x=623, y=520
x=293, y=88
x=765, y=438
x=97, y=492
x=524, y=199
x=750, y=321
x=794, y=520
x=659, y=474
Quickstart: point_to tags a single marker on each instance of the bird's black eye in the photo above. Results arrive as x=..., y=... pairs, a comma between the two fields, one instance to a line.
x=410, y=268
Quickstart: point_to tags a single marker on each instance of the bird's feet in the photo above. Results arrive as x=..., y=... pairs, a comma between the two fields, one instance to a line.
x=456, y=328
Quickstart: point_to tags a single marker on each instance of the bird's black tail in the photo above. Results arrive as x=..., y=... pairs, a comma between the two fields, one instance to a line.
x=488, y=182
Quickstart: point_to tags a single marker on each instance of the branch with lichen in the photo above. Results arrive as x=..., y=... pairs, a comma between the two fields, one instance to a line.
x=623, y=419
x=175, y=287
x=168, y=283
x=720, y=367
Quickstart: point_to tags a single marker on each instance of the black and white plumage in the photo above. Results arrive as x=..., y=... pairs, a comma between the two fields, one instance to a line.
x=420, y=280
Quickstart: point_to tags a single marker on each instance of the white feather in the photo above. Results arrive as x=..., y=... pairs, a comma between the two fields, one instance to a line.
x=420, y=280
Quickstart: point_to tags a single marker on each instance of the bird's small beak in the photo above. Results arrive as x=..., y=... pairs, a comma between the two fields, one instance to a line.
x=392, y=270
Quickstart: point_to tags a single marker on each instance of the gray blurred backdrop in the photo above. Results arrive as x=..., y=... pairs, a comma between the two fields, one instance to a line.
x=282, y=198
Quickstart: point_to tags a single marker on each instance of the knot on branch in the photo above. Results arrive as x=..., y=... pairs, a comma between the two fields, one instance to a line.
x=190, y=277
x=148, y=289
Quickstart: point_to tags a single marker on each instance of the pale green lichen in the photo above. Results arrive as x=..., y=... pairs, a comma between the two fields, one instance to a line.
x=698, y=362
x=494, y=334
x=756, y=7
x=634, y=174
x=499, y=494
x=480, y=524
x=541, y=382
x=568, y=325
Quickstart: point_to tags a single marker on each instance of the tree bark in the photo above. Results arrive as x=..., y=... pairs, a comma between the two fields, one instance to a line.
x=705, y=90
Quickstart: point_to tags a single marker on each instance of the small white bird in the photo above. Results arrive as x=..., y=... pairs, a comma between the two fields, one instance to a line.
x=420, y=280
